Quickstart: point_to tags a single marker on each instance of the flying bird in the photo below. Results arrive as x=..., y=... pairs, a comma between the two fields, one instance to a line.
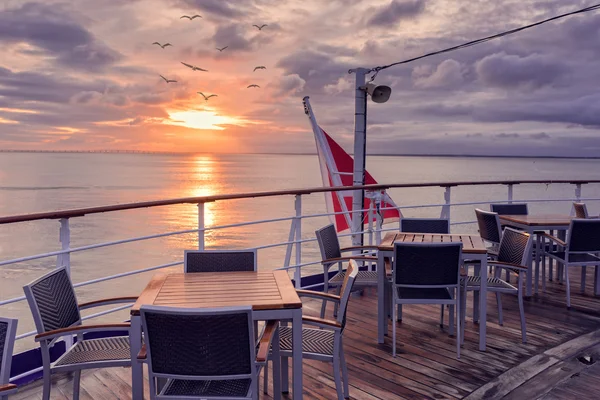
x=206, y=97
x=260, y=67
x=193, y=67
x=260, y=27
x=168, y=80
x=222, y=48
x=249, y=86
x=163, y=45
x=192, y=17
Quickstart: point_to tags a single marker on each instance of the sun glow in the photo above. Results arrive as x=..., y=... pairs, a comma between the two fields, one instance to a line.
x=202, y=120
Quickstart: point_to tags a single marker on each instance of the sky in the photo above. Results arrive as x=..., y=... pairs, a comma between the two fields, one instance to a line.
x=84, y=75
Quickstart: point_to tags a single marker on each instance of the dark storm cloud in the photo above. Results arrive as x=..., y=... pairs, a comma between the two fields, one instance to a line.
x=511, y=71
x=394, y=12
x=53, y=31
x=315, y=68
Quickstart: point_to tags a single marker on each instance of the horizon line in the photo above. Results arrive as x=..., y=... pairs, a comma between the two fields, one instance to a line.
x=151, y=152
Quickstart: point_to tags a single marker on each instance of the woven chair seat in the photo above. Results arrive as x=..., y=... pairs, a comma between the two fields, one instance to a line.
x=106, y=349
x=225, y=388
x=473, y=282
x=363, y=278
x=316, y=341
x=575, y=257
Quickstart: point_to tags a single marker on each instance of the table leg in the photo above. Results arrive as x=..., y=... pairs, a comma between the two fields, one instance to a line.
x=297, y=354
x=477, y=272
x=538, y=256
x=137, y=368
x=276, y=367
x=381, y=309
x=529, y=274
x=483, y=303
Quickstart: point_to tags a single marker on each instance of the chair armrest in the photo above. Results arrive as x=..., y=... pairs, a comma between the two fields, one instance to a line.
x=105, y=302
x=7, y=387
x=321, y=322
x=348, y=258
x=366, y=247
x=79, y=329
x=143, y=353
x=553, y=238
x=501, y=264
x=265, y=341
x=318, y=295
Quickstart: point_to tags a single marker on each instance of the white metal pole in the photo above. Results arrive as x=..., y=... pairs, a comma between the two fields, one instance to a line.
x=201, y=226
x=360, y=141
x=298, y=238
x=64, y=260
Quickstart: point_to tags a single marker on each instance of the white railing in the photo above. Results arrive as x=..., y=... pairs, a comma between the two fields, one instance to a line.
x=294, y=240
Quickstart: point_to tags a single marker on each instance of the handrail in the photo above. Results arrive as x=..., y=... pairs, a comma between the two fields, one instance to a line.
x=207, y=199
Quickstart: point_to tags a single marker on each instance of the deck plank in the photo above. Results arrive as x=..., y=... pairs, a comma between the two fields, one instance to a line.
x=426, y=366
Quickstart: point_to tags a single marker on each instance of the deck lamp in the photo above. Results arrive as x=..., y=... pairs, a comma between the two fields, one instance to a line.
x=379, y=94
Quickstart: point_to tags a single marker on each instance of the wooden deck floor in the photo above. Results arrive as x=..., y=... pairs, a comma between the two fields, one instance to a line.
x=426, y=366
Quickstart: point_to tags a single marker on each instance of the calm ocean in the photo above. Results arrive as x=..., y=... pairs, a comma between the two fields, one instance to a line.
x=52, y=181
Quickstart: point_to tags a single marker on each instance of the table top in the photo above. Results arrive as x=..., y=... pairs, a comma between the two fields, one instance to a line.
x=538, y=219
x=263, y=290
x=472, y=244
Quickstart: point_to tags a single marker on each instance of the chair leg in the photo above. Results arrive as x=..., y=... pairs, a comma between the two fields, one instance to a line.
x=566, y=268
x=337, y=369
x=47, y=371
x=458, y=322
x=394, y=311
x=442, y=316
x=266, y=378
x=285, y=375
x=522, y=308
x=583, y=273
x=76, y=384
x=344, y=371
x=463, y=313
x=276, y=357
x=325, y=290
x=499, y=301
x=597, y=280
x=450, y=319
x=399, y=314
x=544, y=274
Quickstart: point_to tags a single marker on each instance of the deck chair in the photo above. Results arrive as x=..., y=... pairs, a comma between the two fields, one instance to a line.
x=8, y=331
x=510, y=209
x=331, y=254
x=56, y=314
x=219, y=260
x=324, y=340
x=580, y=210
x=580, y=250
x=514, y=252
x=203, y=353
x=427, y=273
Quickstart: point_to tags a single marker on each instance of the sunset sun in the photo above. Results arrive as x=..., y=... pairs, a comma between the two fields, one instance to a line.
x=202, y=119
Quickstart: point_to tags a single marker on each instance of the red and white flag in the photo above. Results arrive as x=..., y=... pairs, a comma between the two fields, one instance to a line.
x=336, y=171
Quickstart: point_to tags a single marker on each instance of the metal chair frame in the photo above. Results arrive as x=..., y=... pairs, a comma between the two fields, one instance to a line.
x=7, y=342
x=590, y=253
x=254, y=366
x=453, y=290
x=47, y=337
x=511, y=262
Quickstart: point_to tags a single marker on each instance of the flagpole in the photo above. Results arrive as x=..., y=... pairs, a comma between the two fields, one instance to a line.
x=360, y=144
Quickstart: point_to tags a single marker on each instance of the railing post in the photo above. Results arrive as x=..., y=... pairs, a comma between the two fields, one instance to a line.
x=371, y=215
x=510, y=193
x=578, y=192
x=446, y=207
x=297, y=273
x=64, y=260
x=200, y=226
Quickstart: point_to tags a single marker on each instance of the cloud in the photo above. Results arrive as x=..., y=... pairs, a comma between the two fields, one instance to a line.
x=512, y=71
x=220, y=8
x=289, y=85
x=391, y=14
x=447, y=74
x=540, y=135
x=504, y=135
x=317, y=69
x=236, y=37
x=52, y=30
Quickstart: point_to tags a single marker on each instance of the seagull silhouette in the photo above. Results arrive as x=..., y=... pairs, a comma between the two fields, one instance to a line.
x=163, y=45
x=192, y=17
x=168, y=80
x=260, y=27
x=260, y=67
x=249, y=86
x=193, y=67
x=222, y=48
x=206, y=97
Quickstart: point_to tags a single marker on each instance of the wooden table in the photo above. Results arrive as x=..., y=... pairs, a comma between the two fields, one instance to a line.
x=473, y=249
x=531, y=224
x=270, y=294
